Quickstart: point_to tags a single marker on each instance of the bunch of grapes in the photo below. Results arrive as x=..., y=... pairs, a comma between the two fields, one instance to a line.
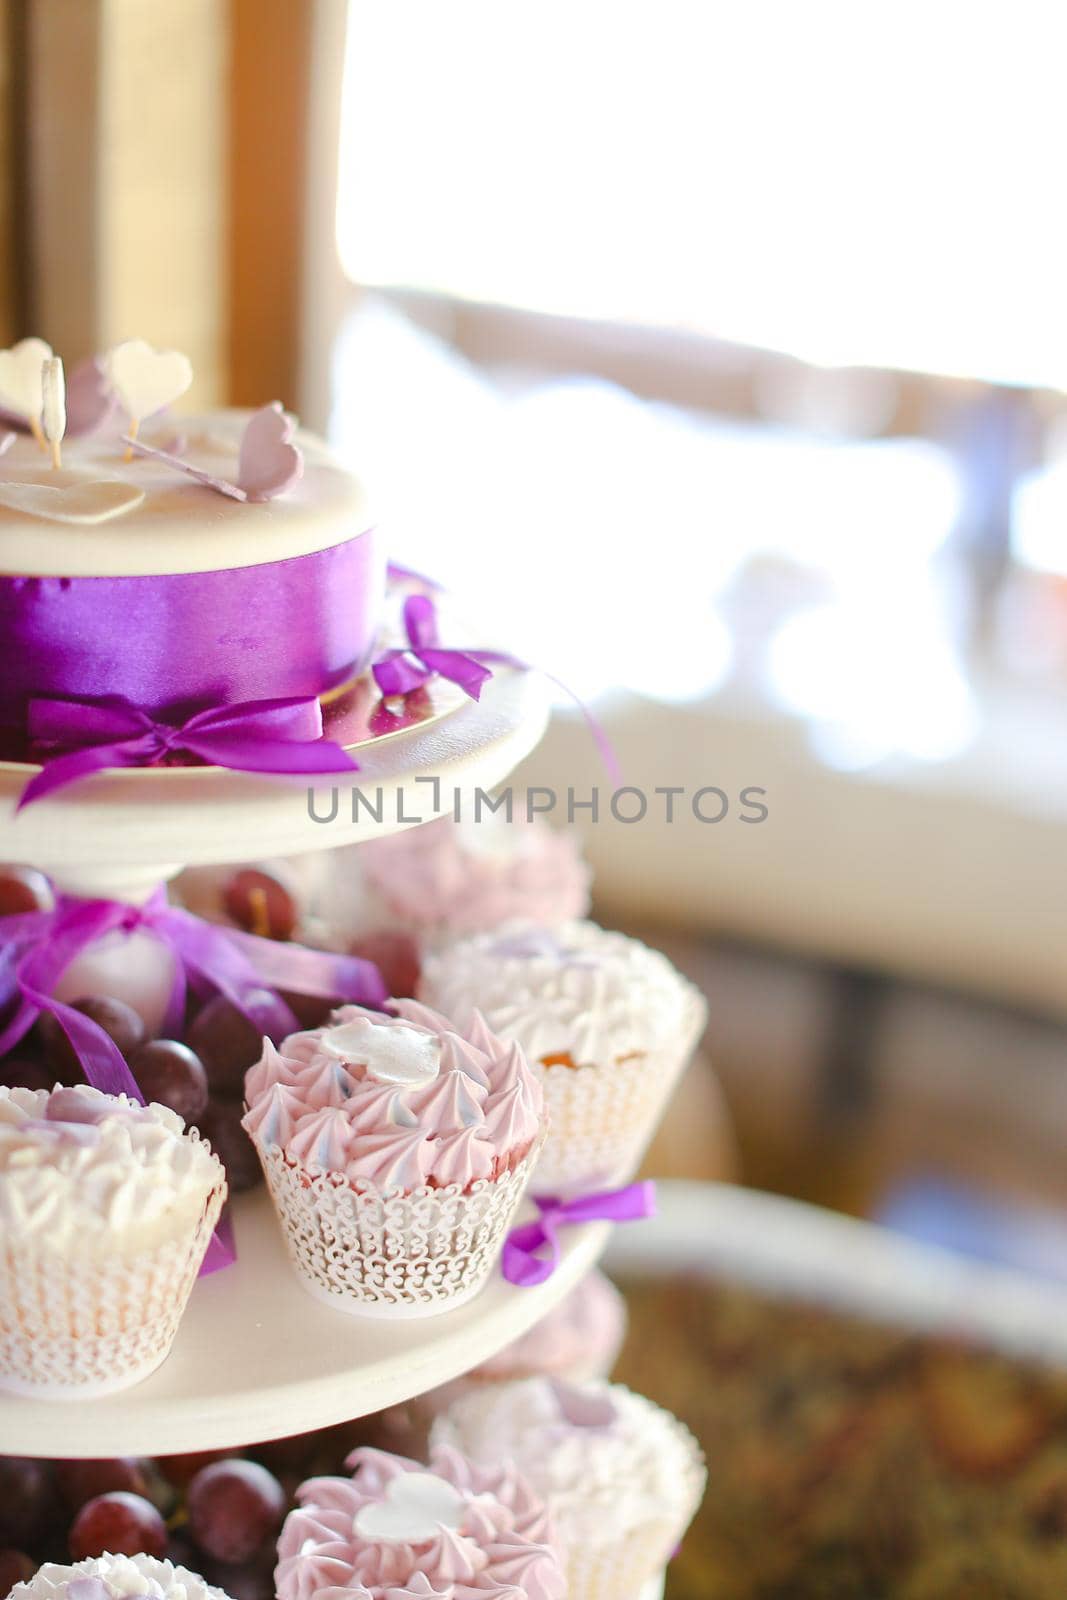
x=200, y=1075
x=217, y=1513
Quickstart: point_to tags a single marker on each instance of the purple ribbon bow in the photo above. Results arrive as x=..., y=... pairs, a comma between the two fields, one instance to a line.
x=36, y=947
x=283, y=736
x=401, y=671
x=524, y=1261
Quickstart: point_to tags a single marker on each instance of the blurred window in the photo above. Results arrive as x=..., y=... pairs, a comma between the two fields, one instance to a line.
x=780, y=281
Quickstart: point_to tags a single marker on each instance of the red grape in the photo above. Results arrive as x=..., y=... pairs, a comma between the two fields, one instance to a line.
x=15, y=1568
x=24, y=889
x=27, y=1499
x=121, y=1524
x=310, y=1010
x=179, y=1469
x=80, y=1481
x=396, y=955
x=287, y=1455
x=227, y=1043
x=221, y=1126
x=235, y=1508
x=171, y=1074
x=260, y=904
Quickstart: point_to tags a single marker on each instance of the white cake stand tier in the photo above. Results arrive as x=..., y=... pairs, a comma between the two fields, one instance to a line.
x=120, y=832
x=257, y=1358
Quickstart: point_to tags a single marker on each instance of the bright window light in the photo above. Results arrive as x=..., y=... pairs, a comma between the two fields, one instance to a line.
x=873, y=183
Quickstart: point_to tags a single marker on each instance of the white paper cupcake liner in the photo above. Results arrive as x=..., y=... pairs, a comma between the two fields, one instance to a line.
x=395, y=1253
x=627, y=1563
x=602, y=1119
x=74, y=1327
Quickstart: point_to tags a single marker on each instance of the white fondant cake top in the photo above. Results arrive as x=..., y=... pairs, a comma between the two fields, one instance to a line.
x=178, y=525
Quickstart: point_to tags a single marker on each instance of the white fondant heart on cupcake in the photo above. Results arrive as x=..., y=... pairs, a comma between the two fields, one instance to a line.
x=146, y=379
x=269, y=462
x=415, y=1506
x=583, y=1408
x=70, y=497
x=397, y=1055
x=21, y=370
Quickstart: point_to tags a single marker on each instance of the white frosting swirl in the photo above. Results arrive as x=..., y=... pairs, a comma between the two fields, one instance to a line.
x=84, y=1170
x=600, y=1480
x=575, y=991
x=120, y=1576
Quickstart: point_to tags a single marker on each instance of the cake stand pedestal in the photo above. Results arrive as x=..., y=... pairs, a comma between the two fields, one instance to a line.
x=121, y=832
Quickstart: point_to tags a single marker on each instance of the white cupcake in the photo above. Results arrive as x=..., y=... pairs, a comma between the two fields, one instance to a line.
x=106, y=1210
x=115, y=1578
x=621, y=1477
x=609, y=1023
x=578, y=1340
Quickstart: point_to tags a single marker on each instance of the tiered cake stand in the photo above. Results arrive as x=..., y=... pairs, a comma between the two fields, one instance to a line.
x=256, y=1358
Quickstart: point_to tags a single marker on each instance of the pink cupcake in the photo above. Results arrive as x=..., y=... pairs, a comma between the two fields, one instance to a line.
x=579, y=1340
x=390, y=899
x=621, y=1477
x=396, y=1150
x=399, y=1531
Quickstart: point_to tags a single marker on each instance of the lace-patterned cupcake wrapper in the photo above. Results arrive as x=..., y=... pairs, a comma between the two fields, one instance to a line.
x=72, y=1328
x=627, y=1570
x=395, y=1253
x=602, y=1119
x=626, y=1563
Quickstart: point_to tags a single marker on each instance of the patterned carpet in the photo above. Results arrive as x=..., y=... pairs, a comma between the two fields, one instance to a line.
x=852, y=1462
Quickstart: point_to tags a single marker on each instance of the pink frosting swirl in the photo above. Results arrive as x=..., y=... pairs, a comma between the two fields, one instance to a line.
x=580, y=1338
x=397, y=1102
x=496, y=1543
x=445, y=878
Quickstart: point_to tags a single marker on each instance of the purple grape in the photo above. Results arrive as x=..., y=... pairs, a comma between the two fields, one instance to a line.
x=118, y=1020
x=227, y=1043
x=121, y=1524
x=24, y=889
x=27, y=1499
x=168, y=1072
x=221, y=1126
x=235, y=1508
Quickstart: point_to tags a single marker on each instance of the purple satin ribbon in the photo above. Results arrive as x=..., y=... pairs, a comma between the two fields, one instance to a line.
x=401, y=671
x=36, y=947
x=524, y=1261
x=280, y=736
x=173, y=643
